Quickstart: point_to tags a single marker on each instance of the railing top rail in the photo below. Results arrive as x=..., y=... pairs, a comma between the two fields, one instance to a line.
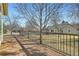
x=55, y=33
x=62, y=33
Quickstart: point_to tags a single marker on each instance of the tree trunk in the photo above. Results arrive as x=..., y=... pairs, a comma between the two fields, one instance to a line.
x=28, y=34
x=40, y=24
x=40, y=36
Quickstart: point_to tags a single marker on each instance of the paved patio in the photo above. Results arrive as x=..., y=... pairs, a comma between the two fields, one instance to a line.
x=33, y=49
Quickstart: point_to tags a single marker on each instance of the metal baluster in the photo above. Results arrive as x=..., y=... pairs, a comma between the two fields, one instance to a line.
x=74, y=46
x=70, y=45
x=66, y=43
x=63, y=42
x=58, y=41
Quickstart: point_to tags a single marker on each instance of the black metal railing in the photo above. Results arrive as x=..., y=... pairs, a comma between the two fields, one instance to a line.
x=65, y=43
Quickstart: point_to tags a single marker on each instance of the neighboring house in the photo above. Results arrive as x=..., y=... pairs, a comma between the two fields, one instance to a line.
x=23, y=31
x=64, y=28
x=16, y=30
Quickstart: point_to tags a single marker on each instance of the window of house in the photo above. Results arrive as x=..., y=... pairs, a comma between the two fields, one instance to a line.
x=62, y=31
x=68, y=30
x=52, y=30
x=77, y=29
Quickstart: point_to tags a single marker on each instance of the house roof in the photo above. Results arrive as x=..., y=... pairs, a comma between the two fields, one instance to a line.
x=70, y=25
x=63, y=25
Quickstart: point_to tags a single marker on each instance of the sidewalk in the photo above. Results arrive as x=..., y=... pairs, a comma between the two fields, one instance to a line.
x=37, y=49
x=10, y=47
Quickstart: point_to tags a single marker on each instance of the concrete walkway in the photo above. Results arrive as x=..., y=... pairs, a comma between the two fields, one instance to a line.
x=33, y=49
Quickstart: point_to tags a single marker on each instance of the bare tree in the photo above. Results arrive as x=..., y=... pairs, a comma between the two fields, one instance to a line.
x=73, y=13
x=38, y=15
x=56, y=19
x=11, y=23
